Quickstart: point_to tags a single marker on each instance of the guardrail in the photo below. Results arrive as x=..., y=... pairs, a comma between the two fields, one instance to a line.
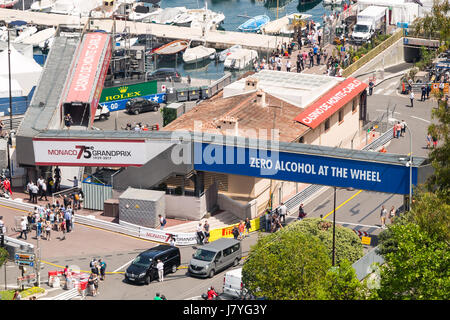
x=372, y=53
x=362, y=266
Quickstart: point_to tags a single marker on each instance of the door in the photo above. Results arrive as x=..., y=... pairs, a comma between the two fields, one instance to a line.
x=218, y=260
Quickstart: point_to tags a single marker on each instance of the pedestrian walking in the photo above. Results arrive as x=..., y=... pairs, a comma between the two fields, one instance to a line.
x=63, y=229
x=282, y=211
x=162, y=222
x=93, y=284
x=23, y=229
x=235, y=232
x=68, y=218
x=435, y=141
x=160, y=267
x=424, y=92
x=429, y=139
x=288, y=66
x=248, y=226
x=206, y=231
x=411, y=98
x=392, y=214
x=383, y=215
x=241, y=228
x=48, y=229
x=200, y=235
x=68, y=120
x=311, y=58
x=301, y=212
x=34, y=193
x=398, y=129
x=403, y=128
x=371, y=85
x=102, y=265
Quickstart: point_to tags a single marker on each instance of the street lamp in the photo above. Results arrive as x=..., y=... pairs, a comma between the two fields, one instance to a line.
x=410, y=166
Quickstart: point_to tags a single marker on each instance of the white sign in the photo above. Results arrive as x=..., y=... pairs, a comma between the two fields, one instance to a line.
x=181, y=239
x=90, y=152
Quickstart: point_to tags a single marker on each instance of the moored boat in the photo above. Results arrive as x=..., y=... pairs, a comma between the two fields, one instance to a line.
x=254, y=24
x=172, y=47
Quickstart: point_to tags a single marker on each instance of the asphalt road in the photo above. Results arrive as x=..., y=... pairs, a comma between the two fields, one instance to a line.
x=122, y=118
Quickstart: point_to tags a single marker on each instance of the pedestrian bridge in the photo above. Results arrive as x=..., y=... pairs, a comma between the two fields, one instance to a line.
x=151, y=157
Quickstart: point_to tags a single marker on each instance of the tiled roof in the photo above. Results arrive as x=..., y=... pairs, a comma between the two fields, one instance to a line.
x=249, y=114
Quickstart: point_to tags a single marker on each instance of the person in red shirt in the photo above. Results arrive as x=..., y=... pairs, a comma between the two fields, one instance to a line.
x=7, y=186
x=212, y=293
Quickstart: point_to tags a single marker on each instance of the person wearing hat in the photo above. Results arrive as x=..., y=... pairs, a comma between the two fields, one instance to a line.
x=160, y=267
x=212, y=293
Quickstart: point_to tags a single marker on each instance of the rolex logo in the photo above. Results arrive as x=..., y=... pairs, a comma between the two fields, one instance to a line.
x=123, y=89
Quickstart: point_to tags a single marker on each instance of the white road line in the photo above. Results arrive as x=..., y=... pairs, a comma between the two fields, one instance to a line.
x=358, y=224
x=389, y=92
x=123, y=265
x=380, y=110
x=378, y=91
x=420, y=119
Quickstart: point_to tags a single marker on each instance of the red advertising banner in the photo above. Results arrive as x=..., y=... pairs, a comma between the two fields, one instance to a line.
x=83, y=80
x=331, y=102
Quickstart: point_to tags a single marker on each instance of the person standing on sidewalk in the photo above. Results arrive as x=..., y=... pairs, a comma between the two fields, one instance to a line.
x=424, y=92
x=102, y=265
x=200, y=233
x=383, y=215
x=282, y=212
x=411, y=98
x=68, y=218
x=206, y=231
x=403, y=128
x=301, y=212
x=162, y=222
x=160, y=267
x=248, y=226
x=24, y=229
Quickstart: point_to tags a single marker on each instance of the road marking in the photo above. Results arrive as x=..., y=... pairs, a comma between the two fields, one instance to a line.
x=123, y=265
x=358, y=224
x=389, y=92
x=343, y=203
x=378, y=91
x=380, y=110
x=420, y=119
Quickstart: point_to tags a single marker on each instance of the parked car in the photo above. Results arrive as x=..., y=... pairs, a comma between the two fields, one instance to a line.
x=214, y=257
x=164, y=74
x=139, y=105
x=143, y=268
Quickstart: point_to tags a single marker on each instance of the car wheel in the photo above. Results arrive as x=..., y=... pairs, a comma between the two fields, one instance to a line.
x=211, y=273
x=235, y=262
x=148, y=279
x=136, y=112
x=174, y=268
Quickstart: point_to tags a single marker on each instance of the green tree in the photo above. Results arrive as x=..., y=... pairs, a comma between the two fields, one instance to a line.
x=341, y=283
x=287, y=265
x=348, y=244
x=3, y=256
x=418, y=268
x=435, y=23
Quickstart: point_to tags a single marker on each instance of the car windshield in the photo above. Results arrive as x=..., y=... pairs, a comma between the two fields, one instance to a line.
x=361, y=28
x=142, y=261
x=204, y=255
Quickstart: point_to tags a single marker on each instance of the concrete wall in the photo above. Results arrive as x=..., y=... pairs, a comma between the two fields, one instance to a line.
x=242, y=211
x=184, y=207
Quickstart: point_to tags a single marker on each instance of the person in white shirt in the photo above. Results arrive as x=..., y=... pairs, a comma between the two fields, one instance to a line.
x=160, y=267
x=23, y=227
x=411, y=97
x=282, y=211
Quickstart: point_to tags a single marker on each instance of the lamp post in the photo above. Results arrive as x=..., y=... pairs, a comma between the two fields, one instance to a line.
x=333, y=262
x=410, y=167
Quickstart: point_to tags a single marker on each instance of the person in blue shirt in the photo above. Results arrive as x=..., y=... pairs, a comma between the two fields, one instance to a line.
x=68, y=218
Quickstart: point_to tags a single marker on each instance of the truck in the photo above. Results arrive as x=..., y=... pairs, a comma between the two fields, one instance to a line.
x=369, y=22
x=87, y=76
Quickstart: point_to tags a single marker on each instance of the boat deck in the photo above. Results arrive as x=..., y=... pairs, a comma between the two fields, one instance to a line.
x=215, y=39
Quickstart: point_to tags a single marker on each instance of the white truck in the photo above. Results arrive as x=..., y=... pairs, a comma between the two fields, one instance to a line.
x=368, y=22
x=102, y=112
x=232, y=283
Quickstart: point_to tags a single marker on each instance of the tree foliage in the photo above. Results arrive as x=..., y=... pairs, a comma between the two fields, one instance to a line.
x=435, y=23
x=418, y=268
x=3, y=256
x=294, y=263
x=286, y=266
x=348, y=245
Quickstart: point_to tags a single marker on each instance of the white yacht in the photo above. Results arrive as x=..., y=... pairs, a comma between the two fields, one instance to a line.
x=240, y=59
x=141, y=12
x=167, y=16
x=197, y=54
x=25, y=33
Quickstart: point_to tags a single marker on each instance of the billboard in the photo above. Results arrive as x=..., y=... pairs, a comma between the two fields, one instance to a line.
x=90, y=152
x=116, y=105
x=128, y=91
x=304, y=168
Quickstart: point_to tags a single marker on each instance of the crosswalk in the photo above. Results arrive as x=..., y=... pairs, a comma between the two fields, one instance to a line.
x=385, y=91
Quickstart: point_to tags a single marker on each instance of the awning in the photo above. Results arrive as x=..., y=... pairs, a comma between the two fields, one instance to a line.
x=331, y=102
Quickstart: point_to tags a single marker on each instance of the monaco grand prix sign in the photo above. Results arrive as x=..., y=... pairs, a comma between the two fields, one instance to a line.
x=90, y=152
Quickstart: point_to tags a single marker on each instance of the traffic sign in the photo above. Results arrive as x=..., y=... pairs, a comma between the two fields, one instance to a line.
x=24, y=256
x=366, y=240
x=24, y=263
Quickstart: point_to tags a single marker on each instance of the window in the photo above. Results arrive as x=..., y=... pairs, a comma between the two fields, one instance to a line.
x=354, y=105
x=341, y=116
x=236, y=247
x=227, y=252
x=327, y=124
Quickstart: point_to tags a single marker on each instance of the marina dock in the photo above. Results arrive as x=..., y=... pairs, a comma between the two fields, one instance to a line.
x=216, y=39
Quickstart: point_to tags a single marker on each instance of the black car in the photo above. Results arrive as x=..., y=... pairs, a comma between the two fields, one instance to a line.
x=143, y=268
x=165, y=74
x=139, y=105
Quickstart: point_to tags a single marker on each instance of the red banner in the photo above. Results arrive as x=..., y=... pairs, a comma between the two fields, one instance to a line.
x=331, y=102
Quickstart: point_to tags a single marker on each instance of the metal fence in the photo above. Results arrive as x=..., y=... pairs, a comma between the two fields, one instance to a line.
x=363, y=267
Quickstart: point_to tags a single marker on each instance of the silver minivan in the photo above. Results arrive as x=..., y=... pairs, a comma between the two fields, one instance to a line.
x=214, y=257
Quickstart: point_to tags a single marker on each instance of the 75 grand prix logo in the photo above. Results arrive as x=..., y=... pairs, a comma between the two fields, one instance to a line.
x=84, y=151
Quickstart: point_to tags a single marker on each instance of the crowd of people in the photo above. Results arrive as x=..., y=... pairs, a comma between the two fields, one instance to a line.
x=139, y=126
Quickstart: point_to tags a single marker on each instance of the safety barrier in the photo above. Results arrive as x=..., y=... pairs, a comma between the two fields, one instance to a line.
x=363, y=266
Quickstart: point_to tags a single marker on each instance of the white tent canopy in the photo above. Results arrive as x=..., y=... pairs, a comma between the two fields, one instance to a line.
x=402, y=11
x=16, y=89
x=23, y=69
x=40, y=37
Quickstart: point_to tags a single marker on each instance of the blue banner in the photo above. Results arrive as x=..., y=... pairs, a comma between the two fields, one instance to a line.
x=321, y=170
x=121, y=104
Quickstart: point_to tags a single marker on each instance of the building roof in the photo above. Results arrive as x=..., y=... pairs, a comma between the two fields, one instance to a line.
x=210, y=115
